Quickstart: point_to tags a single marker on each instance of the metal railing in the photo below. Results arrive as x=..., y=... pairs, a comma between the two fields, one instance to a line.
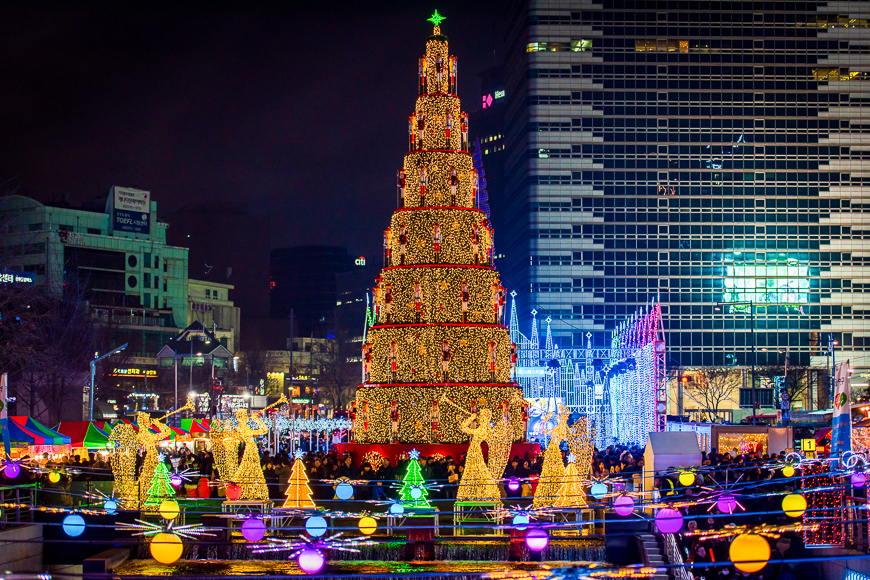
x=18, y=502
x=675, y=557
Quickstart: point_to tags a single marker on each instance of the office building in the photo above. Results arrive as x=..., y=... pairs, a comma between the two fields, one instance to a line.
x=708, y=152
x=116, y=251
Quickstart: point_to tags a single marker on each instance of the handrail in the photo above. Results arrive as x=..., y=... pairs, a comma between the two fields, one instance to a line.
x=675, y=557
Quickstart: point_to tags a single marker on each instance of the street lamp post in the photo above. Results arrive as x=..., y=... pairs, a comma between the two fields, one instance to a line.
x=93, y=373
x=751, y=305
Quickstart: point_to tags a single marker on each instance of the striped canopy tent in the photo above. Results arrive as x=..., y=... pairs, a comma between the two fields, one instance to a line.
x=25, y=429
x=114, y=424
x=86, y=433
x=194, y=426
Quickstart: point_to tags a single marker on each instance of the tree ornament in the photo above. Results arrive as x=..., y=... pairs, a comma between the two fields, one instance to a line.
x=669, y=521
x=794, y=505
x=166, y=547
x=368, y=525
x=73, y=525
x=168, y=509
x=254, y=529
x=749, y=552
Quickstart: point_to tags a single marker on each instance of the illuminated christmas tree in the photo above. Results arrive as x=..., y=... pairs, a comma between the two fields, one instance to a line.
x=438, y=343
x=298, y=493
x=413, y=492
x=553, y=471
x=571, y=493
x=160, y=487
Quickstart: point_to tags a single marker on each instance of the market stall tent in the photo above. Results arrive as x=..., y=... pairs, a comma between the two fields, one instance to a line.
x=85, y=434
x=30, y=432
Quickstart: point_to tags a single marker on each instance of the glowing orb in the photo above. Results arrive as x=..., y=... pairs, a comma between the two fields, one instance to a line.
x=311, y=560
x=598, y=490
x=54, y=477
x=687, y=478
x=368, y=525
x=513, y=484
x=397, y=509
x=111, y=507
x=749, y=552
x=166, y=548
x=858, y=479
x=74, y=525
x=794, y=505
x=537, y=539
x=254, y=529
x=624, y=505
x=234, y=492
x=13, y=470
x=521, y=521
x=175, y=480
x=315, y=526
x=416, y=493
x=788, y=471
x=669, y=521
x=168, y=509
x=344, y=491
x=726, y=503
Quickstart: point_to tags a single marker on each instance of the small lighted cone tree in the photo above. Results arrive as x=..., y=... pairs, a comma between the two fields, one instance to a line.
x=160, y=488
x=571, y=493
x=414, y=485
x=298, y=493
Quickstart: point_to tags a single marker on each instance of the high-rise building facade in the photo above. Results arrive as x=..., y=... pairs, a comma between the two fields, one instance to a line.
x=709, y=152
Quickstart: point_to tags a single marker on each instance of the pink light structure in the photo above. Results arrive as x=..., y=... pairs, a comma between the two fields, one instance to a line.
x=669, y=521
x=537, y=539
x=311, y=560
x=624, y=505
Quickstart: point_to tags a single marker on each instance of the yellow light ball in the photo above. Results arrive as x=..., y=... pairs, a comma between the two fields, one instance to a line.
x=788, y=471
x=54, y=477
x=166, y=548
x=794, y=505
x=368, y=525
x=687, y=478
x=169, y=509
x=749, y=552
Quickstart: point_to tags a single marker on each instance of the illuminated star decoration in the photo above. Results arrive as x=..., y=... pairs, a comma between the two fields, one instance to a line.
x=298, y=454
x=414, y=454
x=572, y=458
x=436, y=19
x=295, y=546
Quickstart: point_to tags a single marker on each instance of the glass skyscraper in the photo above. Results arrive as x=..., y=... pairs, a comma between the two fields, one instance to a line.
x=706, y=152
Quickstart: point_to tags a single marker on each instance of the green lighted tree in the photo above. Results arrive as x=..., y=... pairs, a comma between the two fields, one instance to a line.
x=413, y=492
x=161, y=486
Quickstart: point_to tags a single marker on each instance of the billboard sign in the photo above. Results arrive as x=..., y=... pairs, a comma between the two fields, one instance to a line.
x=131, y=210
x=12, y=277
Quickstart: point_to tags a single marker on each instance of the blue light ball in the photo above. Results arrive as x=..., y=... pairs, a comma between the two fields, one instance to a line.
x=521, y=521
x=397, y=509
x=598, y=491
x=74, y=525
x=315, y=526
x=111, y=507
x=344, y=491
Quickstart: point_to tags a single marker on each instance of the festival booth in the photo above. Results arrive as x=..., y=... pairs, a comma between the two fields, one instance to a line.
x=86, y=434
x=666, y=451
x=738, y=438
x=30, y=437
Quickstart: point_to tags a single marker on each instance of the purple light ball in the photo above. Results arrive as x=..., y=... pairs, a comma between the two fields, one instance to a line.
x=175, y=480
x=254, y=529
x=13, y=470
x=624, y=505
x=726, y=503
x=859, y=478
x=311, y=560
x=537, y=539
x=669, y=521
x=513, y=484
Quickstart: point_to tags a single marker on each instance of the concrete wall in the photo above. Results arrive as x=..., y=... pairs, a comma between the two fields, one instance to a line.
x=21, y=548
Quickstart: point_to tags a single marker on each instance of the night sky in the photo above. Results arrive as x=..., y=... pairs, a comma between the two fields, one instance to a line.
x=301, y=112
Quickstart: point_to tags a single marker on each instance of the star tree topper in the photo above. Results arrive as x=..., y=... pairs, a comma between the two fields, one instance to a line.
x=298, y=454
x=436, y=19
x=414, y=454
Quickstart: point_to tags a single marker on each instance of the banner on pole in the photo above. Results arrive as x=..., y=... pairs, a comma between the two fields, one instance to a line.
x=841, y=437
